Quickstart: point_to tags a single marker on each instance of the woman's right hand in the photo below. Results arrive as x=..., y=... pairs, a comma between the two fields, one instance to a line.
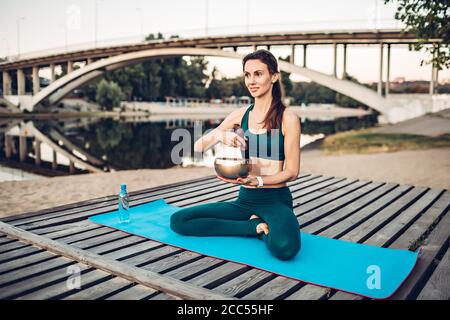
x=232, y=139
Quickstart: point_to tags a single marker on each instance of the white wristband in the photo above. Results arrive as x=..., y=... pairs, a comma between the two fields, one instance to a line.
x=260, y=181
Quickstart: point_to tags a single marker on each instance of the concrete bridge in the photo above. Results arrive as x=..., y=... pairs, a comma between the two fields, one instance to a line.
x=392, y=108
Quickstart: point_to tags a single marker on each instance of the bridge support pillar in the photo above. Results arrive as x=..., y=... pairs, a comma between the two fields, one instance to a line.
x=89, y=61
x=8, y=146
x=69, y=66
x=36, y=84
x=380, y=77
x=344, y=68
x=6, y=83
x=71, y=166
x=268, y=47
x=292, y=57
x=304, y=55
x=254, y=47
x=20, y=82
x=37, y=151
x=22, y=148
x=388, y=69
x=54, y=161
x=52, y=73
x=335, y=60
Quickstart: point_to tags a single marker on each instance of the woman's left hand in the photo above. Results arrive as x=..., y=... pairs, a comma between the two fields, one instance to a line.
x=250, y=180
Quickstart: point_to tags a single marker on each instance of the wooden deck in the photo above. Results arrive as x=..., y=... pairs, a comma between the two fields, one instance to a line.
x=381, y=214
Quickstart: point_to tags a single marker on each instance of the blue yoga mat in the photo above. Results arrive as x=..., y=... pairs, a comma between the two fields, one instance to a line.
x=361, y=269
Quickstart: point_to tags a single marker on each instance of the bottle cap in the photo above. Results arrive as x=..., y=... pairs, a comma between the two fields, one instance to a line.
x=123, y=187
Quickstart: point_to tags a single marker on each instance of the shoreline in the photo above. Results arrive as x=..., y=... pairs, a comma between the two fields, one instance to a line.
x=157, y=110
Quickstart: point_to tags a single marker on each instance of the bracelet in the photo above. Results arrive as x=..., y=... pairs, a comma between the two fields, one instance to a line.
x=260, y=182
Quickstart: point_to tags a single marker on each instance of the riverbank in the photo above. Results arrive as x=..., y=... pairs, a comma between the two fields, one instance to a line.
x=426, y=132
x=147, y=109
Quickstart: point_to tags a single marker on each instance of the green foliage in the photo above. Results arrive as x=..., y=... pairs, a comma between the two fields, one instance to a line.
x=428, y=19
x=108, y=94
x=366, y=142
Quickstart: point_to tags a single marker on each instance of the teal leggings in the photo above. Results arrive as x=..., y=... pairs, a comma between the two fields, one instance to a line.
x=232, y=218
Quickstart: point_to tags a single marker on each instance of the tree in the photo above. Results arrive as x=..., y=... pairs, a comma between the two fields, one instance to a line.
x=427, y=19
x=109, y=94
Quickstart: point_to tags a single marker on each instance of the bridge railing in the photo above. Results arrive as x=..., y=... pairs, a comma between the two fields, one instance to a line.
x=305, y=26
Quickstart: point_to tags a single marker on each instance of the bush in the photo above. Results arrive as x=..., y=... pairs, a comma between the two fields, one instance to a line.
x=109, y=94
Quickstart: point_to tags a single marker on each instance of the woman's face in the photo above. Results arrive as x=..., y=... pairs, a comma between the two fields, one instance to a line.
x=258, y=79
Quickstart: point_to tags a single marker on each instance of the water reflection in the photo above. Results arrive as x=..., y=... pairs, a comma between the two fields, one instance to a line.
x=60, y=146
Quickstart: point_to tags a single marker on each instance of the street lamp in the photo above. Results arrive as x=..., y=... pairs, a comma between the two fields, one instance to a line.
x=18, y=34
x=7, y=46
x=206, y=18
x=95, y=22
x=248, y=15
x=62, y=25
x=139, y=10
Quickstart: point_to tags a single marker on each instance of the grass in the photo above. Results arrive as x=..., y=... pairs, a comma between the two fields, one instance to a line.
x=365, y=142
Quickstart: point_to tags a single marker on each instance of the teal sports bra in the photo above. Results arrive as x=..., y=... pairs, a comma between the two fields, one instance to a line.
x=263, y=145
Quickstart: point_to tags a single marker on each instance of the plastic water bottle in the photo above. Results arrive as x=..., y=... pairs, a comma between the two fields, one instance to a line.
x=124, y=214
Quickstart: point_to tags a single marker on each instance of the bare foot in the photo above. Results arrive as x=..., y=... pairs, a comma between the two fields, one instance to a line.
x=262, y=227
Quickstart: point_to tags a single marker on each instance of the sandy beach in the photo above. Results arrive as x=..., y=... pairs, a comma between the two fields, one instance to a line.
x=429, y=168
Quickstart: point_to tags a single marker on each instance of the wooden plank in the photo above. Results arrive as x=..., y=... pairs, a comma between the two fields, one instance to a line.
x=414, y=234
x=136, y=255
x=100, y=290
x=171, y=186
x=162, y=296
x=280, y=286
x=438, y=286
x=345, y=197
x=137, y=292
x=47, y=222
x=195, y=268
x=240, y=285
x=307, y=199
x=115, y=249
x=363, y=214
x=37, y=264
x=348, y=210
x=59, y=290
x=216, y=276
x=389, y=232
x=213, y=274
x=28, y=250
x=116, y=284
x=432, y=246
x=11, y=247
x=297, y=190
x=204, y=275
x=80, y=215
x=401, y=222
x=103, y=204
x=216, y=273
x=147, y=278
x=388, y=202
x=370, y=226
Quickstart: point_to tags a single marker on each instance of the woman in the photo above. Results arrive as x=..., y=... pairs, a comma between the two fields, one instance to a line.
x=264, y=205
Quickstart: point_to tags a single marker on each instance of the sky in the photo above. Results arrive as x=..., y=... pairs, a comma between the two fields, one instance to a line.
x=49, y=26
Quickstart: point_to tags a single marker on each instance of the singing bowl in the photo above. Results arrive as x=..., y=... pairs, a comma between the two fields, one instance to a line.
x=232, y=168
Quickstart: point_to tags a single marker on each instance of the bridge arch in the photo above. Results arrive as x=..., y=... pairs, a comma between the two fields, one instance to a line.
x=61, y=87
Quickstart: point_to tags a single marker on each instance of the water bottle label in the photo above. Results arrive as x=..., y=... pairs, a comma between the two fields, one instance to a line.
x=124, y=202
